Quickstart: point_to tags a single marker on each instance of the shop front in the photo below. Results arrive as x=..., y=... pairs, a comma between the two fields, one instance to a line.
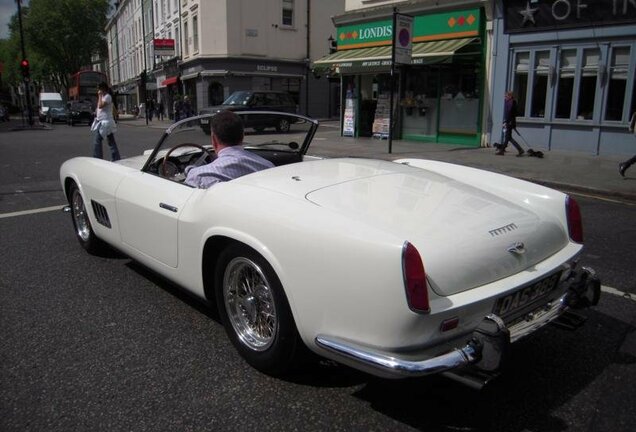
x=209, y=82
x=437, y=98
x=572, y=68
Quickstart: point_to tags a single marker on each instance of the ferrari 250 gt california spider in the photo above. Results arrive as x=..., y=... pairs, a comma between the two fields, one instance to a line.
x=399, y=269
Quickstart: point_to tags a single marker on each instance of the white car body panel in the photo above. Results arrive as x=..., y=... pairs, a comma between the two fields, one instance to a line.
x=331, y=243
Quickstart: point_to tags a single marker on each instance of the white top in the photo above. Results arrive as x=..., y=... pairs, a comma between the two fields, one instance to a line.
x=106, y=112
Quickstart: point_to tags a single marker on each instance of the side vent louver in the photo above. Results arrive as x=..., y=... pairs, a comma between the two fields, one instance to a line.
x=101, y=214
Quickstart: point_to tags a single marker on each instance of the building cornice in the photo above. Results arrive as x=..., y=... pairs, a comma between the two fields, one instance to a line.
x=374, y=13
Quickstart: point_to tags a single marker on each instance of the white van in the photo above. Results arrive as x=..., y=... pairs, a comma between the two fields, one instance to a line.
x=47, y=101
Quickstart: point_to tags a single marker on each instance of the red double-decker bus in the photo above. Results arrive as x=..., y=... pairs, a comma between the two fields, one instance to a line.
x=83, y=86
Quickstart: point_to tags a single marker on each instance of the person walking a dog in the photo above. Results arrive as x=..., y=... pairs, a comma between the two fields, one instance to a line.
x=624, y=166
x=509, y=123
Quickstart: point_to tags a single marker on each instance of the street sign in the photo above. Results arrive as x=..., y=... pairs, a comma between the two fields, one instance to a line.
x=403, y=39
x=164, y=47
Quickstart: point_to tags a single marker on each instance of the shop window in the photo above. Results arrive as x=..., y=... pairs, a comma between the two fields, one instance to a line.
x=522, y=61
x=459, y=103
x=539, y=89
x=633, y=109
x=617, y=86
x=420, y=102
x=587, y=89
x=567, y=71
x=215, y=94
x=288, y=13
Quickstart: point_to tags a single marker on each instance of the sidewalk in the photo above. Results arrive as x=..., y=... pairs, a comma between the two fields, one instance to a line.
x=573, y=171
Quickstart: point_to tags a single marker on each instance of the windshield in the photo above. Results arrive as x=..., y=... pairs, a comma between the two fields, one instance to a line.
x=238, y=98
x=53, y=103
x=279, y=137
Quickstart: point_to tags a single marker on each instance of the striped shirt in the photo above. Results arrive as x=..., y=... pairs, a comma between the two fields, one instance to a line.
x=231, y=162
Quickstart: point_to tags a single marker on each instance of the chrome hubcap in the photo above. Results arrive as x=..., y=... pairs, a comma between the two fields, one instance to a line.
x=80, y=217
x=249, y=304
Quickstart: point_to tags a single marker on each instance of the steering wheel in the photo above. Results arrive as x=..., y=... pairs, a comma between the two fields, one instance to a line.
x=206, y=153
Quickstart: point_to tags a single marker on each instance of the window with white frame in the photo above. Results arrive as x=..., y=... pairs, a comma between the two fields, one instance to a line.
x=288, y=13
x=617, y=85
x=565, y=92
x=540, y=85
x=195, y=34
x=587, y=87
x=522, y=62
x=186, y=33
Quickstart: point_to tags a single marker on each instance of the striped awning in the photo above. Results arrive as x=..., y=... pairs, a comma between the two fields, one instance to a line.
x=378, y=59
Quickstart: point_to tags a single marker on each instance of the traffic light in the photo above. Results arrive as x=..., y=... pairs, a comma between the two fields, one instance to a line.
x=24, y=66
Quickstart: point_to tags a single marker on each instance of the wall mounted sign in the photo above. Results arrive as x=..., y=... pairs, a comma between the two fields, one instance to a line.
x=164, y=47
x=447, y=25
x=544, y=15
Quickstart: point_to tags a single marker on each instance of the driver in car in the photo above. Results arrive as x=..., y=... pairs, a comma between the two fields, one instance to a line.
x=232, y=160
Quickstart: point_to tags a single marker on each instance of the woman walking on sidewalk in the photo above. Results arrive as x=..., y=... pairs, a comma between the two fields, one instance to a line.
x=509, y=123
x=623, y=166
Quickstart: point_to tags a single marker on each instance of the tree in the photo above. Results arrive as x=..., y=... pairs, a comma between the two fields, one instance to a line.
x=10, y=54
x=63, y=36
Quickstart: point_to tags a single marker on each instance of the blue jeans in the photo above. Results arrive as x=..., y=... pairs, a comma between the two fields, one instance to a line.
x=97, y=146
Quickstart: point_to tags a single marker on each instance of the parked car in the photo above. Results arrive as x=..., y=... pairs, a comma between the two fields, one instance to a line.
x=80, y=112
x=399, y=269
x=57, y=114
x=257, y=101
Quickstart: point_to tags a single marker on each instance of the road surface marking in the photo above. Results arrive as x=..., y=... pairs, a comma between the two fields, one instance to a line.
x=614, y=291
x=29, y=212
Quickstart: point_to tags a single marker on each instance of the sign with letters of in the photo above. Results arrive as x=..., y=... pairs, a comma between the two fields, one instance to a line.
x=546, y=15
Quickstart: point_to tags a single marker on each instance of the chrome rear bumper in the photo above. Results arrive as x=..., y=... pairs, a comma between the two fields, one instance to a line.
x=486, y=347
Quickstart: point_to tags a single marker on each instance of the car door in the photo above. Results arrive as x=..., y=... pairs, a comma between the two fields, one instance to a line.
x=149, y=208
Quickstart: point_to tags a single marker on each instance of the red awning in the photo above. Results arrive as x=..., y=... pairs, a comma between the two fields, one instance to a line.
x=169, y=81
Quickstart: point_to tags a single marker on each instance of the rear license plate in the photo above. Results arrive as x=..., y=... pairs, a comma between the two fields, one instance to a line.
x=205, y=121
x=526, y=299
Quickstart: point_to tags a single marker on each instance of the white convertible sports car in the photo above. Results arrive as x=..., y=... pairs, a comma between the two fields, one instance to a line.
x=399, y=269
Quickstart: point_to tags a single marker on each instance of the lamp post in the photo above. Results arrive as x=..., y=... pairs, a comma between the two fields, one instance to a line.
x=25, y=67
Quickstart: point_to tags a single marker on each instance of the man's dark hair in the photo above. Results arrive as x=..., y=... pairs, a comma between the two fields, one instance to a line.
x=228, y=127
x=103, y=86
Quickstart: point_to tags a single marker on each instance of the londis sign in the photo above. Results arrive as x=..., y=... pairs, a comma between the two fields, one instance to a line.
x=447, y=25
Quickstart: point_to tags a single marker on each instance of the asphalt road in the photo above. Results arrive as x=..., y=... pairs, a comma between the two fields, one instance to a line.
x=101, y=344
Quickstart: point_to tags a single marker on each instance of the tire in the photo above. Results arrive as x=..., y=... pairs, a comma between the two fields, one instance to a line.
x=255, y=311
x=82, y=224
x=283, y=125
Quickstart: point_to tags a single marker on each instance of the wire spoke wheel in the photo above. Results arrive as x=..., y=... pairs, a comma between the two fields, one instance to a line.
x=82, y=224
x=250, y=304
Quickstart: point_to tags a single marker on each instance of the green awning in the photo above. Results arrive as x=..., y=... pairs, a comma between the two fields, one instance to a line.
x=378, y=59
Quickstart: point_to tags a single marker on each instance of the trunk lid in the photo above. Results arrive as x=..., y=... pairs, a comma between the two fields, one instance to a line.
x=464, y=234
